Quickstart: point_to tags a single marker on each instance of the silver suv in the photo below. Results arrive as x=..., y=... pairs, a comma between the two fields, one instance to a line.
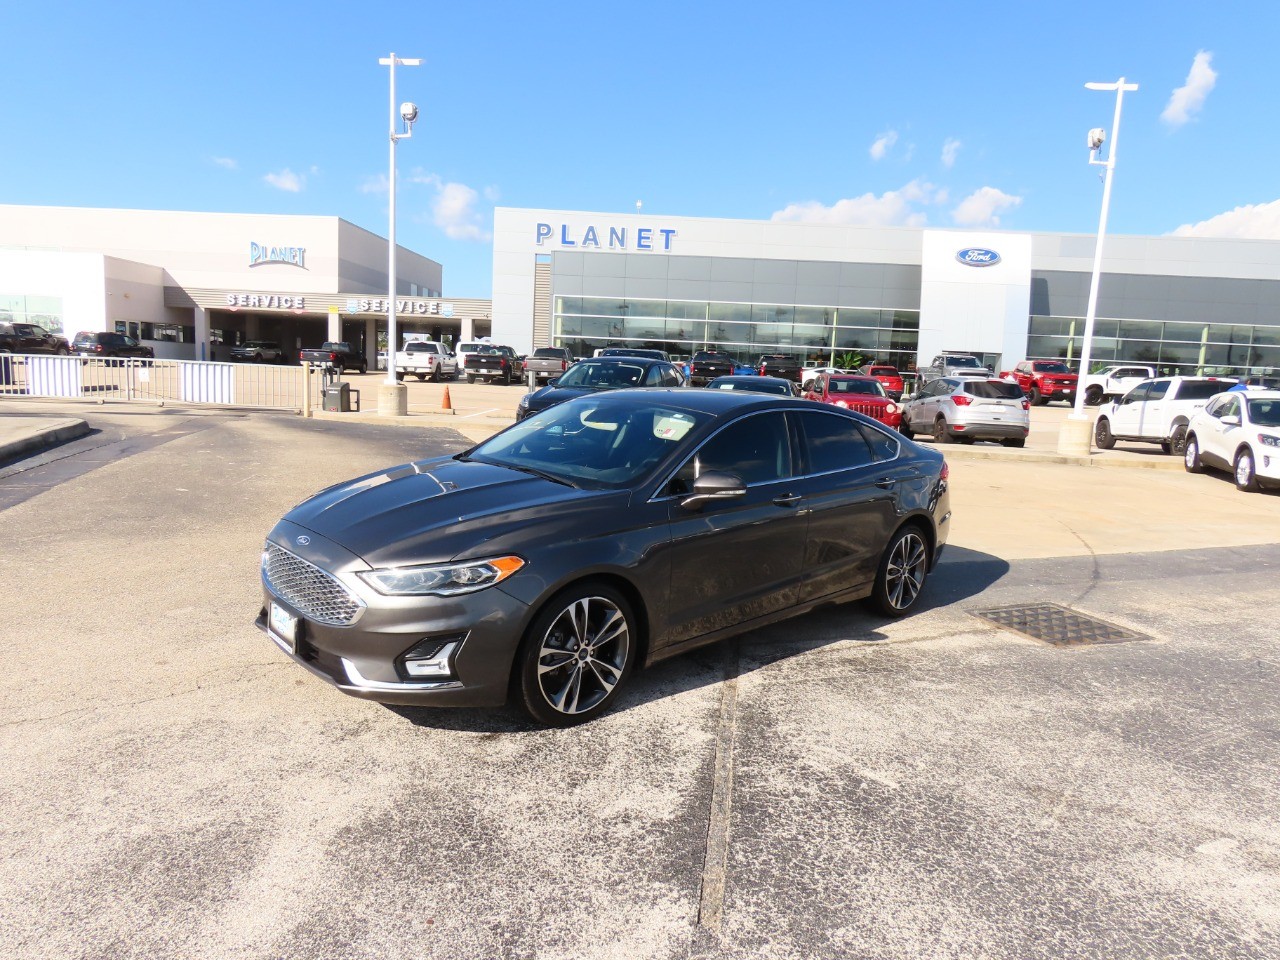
x=965, y=409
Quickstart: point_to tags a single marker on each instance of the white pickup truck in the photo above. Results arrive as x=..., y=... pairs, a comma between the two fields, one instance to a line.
x=1111, y=382
x=426, y=358
x=1157, y=411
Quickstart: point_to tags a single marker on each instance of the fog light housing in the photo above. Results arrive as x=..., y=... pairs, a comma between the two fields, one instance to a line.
x=431, y=659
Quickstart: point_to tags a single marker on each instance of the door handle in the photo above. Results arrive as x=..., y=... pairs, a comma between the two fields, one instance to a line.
x=886, y=483
x=787, y=500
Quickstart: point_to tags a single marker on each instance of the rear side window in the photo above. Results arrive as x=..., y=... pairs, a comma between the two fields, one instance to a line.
x=1200, y=389
x=1160, y=387
x=833, y=442
x=993, y=390
x=883, y=446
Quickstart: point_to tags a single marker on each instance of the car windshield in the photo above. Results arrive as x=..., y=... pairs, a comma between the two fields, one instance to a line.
x=883, y=371
x=1264, y=413
x=592, y=441
x=603, y=376
x=963, y=362
x=865, y=387
x=1052, y=367
x=993, y=390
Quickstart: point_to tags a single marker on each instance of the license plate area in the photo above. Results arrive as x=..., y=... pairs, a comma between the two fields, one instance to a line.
x=283, y=627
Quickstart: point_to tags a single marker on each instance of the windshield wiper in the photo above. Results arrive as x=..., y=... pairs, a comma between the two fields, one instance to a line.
x=539, y=473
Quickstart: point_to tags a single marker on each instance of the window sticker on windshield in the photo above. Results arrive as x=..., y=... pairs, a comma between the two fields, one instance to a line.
x=671, y=428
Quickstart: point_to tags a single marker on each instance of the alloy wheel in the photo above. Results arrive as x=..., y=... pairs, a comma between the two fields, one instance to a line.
x=904, y=576
x=582, y=655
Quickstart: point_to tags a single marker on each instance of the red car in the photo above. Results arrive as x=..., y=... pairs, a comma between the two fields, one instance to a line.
x=865, y=395
x=888, y=376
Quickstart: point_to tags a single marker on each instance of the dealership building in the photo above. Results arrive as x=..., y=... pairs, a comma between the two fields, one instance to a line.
x=899, y=295
x=190, y=285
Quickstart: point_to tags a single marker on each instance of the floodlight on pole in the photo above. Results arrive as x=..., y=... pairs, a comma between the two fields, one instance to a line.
x=1075, y=437
x=408, y=113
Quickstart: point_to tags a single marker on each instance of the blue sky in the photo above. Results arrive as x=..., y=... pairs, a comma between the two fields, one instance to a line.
x=698, y=109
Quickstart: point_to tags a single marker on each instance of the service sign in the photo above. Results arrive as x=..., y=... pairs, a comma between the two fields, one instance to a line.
x=265, y=301
x=405, y=307
x=978, y=257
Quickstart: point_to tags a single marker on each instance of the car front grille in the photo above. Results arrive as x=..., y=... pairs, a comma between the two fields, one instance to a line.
x=876, y=411
x=308, y=588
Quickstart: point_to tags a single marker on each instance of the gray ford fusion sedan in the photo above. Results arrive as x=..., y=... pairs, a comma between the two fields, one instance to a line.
x=550, y=562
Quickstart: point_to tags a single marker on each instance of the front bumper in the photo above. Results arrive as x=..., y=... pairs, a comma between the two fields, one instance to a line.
x=363, y=659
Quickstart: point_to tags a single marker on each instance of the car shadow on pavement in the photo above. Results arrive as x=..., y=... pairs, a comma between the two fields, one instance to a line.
x=961, y=574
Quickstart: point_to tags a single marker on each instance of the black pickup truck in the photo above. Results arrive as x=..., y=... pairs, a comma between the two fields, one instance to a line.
x=706, y=365
x=780, y=365
x=493, y=364
x=339, y=356
x=30, y=338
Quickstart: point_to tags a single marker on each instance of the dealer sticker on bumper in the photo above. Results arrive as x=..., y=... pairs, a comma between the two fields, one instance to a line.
x=284, y=628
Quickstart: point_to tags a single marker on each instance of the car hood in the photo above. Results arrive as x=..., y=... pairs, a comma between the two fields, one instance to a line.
x=550, y=396
x=442, y=509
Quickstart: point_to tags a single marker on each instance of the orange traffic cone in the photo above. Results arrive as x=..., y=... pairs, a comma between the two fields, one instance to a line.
x=446, y=403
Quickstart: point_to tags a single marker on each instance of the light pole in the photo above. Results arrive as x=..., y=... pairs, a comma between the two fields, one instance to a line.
x=1076, y=436
x=393, y=397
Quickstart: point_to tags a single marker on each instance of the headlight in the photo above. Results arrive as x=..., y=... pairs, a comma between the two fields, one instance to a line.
x=1268, y=441
x=441, y=579
x=891, y=408
x=524, y=402
x=842, y=403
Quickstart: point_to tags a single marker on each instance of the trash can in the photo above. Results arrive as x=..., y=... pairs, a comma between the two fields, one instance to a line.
x=337, y=398
x=6, y=369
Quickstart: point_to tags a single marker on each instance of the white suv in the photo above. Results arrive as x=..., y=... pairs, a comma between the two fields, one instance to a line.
x=1238, y=431
x=1156, y=411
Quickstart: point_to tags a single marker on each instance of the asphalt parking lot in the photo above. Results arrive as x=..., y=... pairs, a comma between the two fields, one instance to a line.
x=833, y=786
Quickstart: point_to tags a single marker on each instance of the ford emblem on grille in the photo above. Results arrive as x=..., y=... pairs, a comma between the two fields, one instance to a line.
x=303, y=541
x=978, y=257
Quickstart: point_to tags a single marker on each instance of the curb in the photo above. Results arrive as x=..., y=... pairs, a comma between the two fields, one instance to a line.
x=60, y=431
x=953, y=452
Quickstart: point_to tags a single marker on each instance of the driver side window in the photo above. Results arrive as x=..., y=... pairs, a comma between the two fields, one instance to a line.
x=756, y=449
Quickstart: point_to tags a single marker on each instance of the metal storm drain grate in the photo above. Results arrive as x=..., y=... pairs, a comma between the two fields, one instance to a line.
x=1054, y=624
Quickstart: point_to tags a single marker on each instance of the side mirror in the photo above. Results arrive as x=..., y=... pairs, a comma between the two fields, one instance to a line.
x=714, y=485
x=1232, y=420
x=552, y=382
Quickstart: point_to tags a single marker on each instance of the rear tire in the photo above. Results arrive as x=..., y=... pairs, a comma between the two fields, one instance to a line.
x=1093, y=397
x=399, y=377
x=1178, y=441
x=1102, y=434
x=471, y=378
x=422, y=377
x=1191, y=455
x=940, y=432
x=904, y=566
x=435, y=374
x=1013, y=442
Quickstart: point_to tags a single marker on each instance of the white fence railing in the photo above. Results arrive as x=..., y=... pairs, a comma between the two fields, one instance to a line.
x=157, y=381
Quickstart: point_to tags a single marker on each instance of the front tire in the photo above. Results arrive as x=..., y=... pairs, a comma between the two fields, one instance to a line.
x=905, y=429
x=1191, y=455
x=1102, y=434
x=903, y=569
x=257, y=358
x=1035, y=398
x=577, y=654
x=1246, y=473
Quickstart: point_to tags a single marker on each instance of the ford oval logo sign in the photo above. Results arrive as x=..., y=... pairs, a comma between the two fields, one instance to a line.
x=303, y=541
x=978, y=257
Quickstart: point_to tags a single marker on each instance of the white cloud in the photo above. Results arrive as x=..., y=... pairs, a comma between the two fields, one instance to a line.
x=1257, y=221
x=1189, y=98
x=950, y=148
x=378, y=184
x=286, y=180
x=983, y=207
x=454, y=208
x=882, y=144
x=892, y=208
x=226, y=163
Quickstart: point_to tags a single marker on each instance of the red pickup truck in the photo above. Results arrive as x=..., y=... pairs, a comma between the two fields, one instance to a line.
x=1044, y=380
